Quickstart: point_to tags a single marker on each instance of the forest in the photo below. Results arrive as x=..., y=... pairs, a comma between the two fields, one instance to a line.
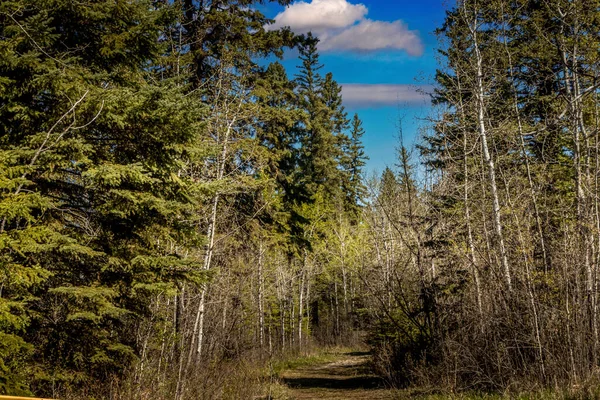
x=179, y=212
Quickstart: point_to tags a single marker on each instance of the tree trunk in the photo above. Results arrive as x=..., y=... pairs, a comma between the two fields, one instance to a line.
x=261, y=287
x=480, y=92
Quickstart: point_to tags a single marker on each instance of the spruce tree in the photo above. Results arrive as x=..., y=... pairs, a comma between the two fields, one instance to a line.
x=352, y=163
x=277, y=133
x=335, y=144
x=320, y=100
x=90, y=192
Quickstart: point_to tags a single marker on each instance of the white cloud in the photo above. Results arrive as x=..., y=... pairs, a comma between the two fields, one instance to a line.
x=343, y=26
x=320, y=15
x=369, y=35
x=382, y=95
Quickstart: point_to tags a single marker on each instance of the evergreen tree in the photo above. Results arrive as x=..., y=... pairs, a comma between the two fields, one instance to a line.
x=331, y=93
x=324, y=118
x=353, y=161
x=217, y=27
x=90, y=192
x=389, y=189
x=336, y=143
x=308, y=81
x=276, y=132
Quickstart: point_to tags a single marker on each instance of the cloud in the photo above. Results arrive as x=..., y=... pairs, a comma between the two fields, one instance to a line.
x=320, y=15
x=369, y=35
x=383, y=95
x=343, y=26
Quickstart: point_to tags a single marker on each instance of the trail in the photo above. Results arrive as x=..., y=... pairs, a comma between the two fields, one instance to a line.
x=348, y=377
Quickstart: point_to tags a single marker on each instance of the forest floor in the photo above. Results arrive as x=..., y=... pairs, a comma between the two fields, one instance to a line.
x=344, y=374
x=341, y=373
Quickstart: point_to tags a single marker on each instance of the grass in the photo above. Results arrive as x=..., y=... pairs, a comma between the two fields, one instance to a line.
x=548, y=394
x=296, y=367
x=336, y=373
x=312, y=358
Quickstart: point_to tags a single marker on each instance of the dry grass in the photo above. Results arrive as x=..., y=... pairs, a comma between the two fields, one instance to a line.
x=343, y=375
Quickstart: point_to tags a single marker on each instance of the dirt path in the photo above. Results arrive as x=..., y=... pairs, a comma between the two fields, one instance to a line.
x=348, y=377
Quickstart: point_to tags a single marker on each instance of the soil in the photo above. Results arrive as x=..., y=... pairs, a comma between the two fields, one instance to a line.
x=348, y=377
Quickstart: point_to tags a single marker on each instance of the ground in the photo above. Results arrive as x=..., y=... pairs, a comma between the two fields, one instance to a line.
x=346, y=375
x=340, y=374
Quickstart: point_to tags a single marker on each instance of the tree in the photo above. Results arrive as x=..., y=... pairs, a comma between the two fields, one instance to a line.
x=92, y=152
x=352, y=163
x=323, y=124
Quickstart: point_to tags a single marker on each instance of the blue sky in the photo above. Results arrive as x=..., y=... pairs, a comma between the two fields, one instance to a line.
x=383, y=52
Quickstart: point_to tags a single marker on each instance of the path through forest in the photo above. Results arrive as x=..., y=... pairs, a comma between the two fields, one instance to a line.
x=347, y=377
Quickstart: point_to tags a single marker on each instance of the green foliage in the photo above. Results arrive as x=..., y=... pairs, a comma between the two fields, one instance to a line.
x=89, y=155
x=14, y=369
x=123, y=124
x=352, y=162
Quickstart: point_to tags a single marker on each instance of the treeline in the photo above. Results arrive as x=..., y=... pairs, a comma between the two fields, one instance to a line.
x=495, y=260
x=172, y=205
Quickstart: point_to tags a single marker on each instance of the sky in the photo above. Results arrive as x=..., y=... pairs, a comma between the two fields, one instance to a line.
x=383, y=53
